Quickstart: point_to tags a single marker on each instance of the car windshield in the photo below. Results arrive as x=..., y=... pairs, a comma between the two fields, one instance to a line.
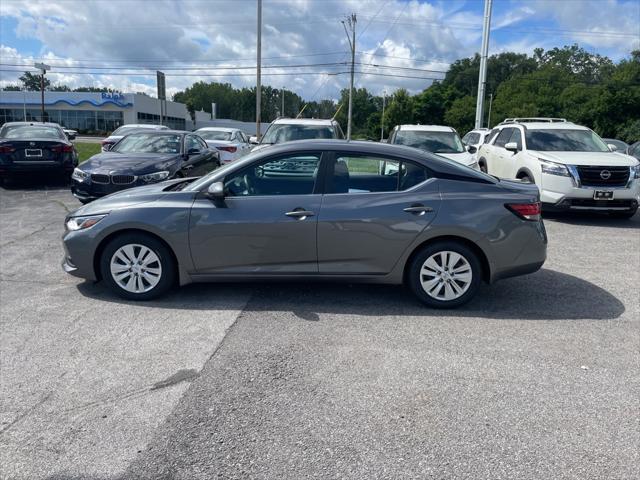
x=214, y=134
x=31, y=131
x=436, y=142
x=288, y=132
x=564, y=141
x=148, y=143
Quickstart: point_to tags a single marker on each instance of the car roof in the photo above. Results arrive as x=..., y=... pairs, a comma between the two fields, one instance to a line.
x=426, y=128
x=152, y=126
x=161, y=132
x=545, y=125
x=303, y=121
x=217, y=129
x=35, y=124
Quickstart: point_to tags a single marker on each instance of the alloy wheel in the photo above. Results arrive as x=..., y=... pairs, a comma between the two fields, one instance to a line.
x=135, y=268
x=446, y=275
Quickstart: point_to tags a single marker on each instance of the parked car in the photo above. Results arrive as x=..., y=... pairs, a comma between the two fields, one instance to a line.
x=120, y=132
x=142, y=158
x=572, y=165
x=230, y=142
x=634, y=150
x=439, y=139
x=31, y=147
x=473, y=139
x=433, y=224
x=71, y=134
x=619, y=145
x=289, y=129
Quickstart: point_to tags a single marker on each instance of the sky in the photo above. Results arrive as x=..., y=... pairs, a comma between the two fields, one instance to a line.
x=399, y=43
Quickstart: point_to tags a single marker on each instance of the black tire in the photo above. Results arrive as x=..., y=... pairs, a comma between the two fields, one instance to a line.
x=524, y=178
x=483, y=166
x=414, y=273
x=165, y=258
x=624, y=215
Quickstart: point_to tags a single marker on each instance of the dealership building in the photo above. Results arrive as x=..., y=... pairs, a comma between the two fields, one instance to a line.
x=90, y=112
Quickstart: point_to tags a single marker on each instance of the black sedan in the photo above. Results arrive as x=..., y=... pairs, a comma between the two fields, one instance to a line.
x=30, y=148
x=142, y=158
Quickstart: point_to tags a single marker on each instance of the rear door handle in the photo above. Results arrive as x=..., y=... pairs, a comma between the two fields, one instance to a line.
x=418, y=209
x=300, y=213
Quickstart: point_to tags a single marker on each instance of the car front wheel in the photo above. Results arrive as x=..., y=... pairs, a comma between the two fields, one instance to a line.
x=445, y=274
x=137, y=267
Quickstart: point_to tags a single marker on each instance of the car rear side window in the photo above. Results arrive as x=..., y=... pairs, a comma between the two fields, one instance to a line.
x=366, y=174
x=286, y=175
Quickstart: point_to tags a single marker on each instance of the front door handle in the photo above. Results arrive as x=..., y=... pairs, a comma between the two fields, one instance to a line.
x=418, y=209
x=300, y=213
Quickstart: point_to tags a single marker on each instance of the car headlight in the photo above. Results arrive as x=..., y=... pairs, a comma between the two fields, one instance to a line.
x=635, y=171
x=79, y=175
x=155, y=176
x=553, y=168
x=82, y=223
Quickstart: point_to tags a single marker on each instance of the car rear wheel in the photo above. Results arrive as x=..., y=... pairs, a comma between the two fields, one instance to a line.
x=137, y=267
x=445, y=274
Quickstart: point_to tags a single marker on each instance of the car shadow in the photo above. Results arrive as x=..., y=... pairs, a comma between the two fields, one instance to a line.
x=594, y=219
x=36, y=182
x=545, y=295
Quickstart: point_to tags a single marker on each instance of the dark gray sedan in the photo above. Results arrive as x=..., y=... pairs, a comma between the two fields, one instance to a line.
x=322, y=210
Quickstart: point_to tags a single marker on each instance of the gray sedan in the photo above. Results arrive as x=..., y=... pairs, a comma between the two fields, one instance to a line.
x=321, y=210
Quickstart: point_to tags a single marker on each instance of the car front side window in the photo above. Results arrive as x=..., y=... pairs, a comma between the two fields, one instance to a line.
x=503, y=137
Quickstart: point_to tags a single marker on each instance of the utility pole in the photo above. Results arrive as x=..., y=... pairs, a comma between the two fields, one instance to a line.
x=351, y=21
x=258, y=72
x=482, y=77
x=282, y=110
x=43, y=69
x=384, y=98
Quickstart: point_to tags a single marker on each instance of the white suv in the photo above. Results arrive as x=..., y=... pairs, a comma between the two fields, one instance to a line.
x=571, y=165
x=474, y=139
x=289, y=129
x=438, y=139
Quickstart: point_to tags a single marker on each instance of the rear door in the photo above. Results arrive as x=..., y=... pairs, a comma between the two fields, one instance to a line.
x=373, y=209
x=267, y=222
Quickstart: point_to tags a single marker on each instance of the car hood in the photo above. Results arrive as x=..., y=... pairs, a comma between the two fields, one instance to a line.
x=127, y=198
x=123, y=163
x=600, y=159
x=464, y=158
x=260, y=146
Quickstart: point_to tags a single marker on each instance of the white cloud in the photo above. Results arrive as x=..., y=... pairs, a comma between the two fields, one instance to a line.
x=213, y=35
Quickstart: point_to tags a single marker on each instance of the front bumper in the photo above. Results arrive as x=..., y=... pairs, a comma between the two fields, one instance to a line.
x=562, y=193
x=88, y=190
x=79, y=254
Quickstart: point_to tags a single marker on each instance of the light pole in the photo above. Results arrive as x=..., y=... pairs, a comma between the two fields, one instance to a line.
x=258, y=72
x=384, y=98
x=482, y=77
x=43, y=68
x=351, y=20
x=490, y=102
x=282, y=110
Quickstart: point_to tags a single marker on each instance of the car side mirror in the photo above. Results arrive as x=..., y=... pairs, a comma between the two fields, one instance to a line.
x=612, y=147
x=512, y=147
x=471, y=149
x=193, y=151
x=216, y=191
x=71, y=136
x=253, y=140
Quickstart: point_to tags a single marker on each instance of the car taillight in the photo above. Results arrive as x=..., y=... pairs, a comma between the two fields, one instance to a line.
x=7, y=149
x=62, y=149
x=228, y=149
x=526, y=211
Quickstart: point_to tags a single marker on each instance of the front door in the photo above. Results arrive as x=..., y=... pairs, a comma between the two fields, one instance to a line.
x=267, y=222
x=373, y=210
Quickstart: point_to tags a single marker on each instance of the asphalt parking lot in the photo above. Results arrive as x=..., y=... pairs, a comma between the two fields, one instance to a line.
x=536, y=378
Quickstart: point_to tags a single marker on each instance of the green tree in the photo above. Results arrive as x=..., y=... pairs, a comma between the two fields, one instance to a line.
x=399, y=111
x=32, y=82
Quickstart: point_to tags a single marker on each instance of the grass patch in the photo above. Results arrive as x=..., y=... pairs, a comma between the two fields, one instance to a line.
x=87, y=150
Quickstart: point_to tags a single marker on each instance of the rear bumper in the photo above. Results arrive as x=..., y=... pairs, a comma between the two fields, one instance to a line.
x=25, y=168
x=532, y=256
